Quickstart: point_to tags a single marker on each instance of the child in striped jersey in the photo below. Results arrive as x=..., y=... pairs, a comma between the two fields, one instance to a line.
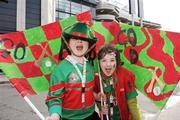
x=71, y=86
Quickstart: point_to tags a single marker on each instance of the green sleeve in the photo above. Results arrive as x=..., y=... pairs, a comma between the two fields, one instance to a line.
x=55, y=109
x=56, y=92
x=133, y=108
x=131, y=94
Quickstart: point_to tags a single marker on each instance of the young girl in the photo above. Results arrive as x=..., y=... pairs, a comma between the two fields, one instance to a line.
x=118, y=86
x=72, y=82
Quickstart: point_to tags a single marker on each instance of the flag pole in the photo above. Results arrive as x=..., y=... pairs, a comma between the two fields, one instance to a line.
x=101, y=89
x=23, y=94
x=34, y=108
x=107, y=118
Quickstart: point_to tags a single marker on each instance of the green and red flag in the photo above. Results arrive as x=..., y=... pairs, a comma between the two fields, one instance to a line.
x=28, y=58
x=152, y=55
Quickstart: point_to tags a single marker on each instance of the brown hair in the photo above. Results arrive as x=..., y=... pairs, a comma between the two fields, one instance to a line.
x=107, y=50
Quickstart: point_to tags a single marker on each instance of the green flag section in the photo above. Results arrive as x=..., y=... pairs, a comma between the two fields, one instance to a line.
x=28, y=58
x=153, y=56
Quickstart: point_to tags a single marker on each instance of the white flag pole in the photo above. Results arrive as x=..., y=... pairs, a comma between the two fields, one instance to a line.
x=101, y=87
x=102, y=91
x=34, y=108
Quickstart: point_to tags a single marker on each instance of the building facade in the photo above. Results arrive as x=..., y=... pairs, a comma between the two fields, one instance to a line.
x=66, y=8
x=18, y=15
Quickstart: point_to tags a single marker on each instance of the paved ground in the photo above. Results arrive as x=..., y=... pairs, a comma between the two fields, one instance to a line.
x=13, y=106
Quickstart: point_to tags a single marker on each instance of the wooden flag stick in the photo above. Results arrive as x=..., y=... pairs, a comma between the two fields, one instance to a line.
x=34, y=108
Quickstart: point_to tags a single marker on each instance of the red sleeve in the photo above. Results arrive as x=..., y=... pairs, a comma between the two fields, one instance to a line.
x=130, y=86
x=127, y=78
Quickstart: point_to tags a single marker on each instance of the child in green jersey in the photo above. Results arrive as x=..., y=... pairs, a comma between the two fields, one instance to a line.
x=72, y=82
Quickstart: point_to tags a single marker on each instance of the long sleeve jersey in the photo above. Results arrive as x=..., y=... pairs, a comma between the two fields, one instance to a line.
x=65, y=91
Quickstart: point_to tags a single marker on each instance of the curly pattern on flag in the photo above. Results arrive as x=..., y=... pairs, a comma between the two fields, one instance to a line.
x=150, y=54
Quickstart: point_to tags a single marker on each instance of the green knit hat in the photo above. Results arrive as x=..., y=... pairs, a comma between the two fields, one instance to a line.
x=81, y=31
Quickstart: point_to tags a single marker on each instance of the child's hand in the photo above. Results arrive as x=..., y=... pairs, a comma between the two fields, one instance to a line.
x=54, y=116
x=104, y=109
x=98, y=96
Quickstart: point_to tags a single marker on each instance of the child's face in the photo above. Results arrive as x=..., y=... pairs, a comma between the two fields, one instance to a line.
x=78, y=47
x=108, y=64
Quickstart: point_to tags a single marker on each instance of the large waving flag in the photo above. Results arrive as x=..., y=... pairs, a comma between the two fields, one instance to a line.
x=28, y=58
x=153, y=56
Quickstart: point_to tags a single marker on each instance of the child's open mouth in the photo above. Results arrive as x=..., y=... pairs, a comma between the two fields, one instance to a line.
x=79, y=47
x=108, y=70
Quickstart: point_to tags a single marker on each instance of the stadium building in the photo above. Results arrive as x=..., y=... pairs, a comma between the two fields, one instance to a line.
x=18, y=15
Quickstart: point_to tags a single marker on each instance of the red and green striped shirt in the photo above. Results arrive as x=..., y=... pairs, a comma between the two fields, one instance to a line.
x=64, y=95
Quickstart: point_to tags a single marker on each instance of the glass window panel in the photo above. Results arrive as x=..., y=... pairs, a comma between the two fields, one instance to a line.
x=63, y=5
x=65, y=8
x=85, y=8
x=63, y=15
x=75, y=8
x=57, y=18
x=93, y=11
x=91, y=1
x=57, y=14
